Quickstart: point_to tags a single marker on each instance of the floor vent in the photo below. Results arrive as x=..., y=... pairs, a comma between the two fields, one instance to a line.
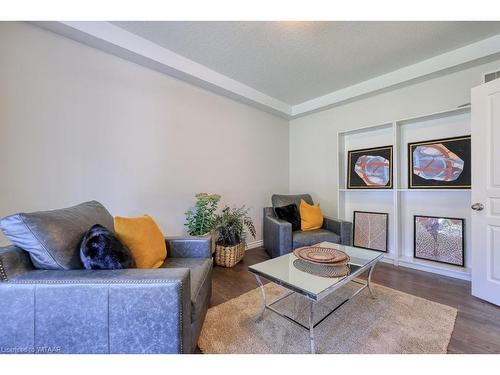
x=491, y=76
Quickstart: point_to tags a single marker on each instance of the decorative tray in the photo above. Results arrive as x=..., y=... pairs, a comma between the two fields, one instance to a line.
x=324, y=255
x=321, y=269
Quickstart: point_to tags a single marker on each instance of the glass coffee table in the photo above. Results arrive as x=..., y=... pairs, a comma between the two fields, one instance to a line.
x=282, y=271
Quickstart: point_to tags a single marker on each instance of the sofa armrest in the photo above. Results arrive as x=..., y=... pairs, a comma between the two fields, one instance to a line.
x=97, y=311
x=341, y=227
x=14, y=261
x=189, y=247
x=277, y=236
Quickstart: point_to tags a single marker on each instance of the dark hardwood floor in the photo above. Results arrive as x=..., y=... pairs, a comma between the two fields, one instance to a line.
x=477, y=328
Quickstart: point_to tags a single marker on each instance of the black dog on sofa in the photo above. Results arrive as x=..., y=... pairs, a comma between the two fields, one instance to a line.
x=100, y=249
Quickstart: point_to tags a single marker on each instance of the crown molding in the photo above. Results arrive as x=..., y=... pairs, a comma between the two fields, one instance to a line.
x=119, y=42
x=440, y=63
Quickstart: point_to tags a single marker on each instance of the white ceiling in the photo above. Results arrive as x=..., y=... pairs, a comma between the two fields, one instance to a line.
x=298, y=61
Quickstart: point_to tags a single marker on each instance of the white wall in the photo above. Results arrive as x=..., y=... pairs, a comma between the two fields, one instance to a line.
x=78, y=124
x=313, y=148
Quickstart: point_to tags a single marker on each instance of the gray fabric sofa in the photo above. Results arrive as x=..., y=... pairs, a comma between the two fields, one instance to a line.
x=106, y=311
x=279, y=238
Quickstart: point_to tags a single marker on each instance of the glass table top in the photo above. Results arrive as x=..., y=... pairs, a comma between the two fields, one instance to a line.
x=282, y=271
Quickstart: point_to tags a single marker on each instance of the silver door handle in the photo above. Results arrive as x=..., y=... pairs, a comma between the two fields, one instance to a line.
x=477, y=207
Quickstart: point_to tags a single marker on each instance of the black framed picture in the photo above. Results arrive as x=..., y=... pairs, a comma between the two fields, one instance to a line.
x=440, y=164
x=370, y=168
x=371, y=230
x=440, y=239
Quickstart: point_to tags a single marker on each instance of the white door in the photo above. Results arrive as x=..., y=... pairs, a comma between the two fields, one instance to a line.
x=486, y=191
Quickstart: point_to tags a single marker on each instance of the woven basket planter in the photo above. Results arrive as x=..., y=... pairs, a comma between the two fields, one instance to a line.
x=229, y=256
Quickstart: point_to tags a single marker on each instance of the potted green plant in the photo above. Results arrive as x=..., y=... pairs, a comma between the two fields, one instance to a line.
x=231, y=228
x=200, y=219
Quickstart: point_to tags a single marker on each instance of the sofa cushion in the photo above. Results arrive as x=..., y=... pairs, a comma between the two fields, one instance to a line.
x=313, y=237
x=279, y=200
x=311, y=217
x=289, y=213
x=101, y=250
x=200, y=282
x=53, y=237
x=144, y=239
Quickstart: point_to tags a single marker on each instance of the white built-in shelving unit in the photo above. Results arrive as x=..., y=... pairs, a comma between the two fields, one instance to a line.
x=401, y=203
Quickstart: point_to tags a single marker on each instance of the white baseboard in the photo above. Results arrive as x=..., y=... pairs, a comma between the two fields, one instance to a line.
x=440, y=269
x=254, y=244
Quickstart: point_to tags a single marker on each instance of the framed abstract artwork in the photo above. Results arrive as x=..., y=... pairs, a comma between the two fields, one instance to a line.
x=370, y=168
x=440, y=164
x=440, y=239
x=371, y=230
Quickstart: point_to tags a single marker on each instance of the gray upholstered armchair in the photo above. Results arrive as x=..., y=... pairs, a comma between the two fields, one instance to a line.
x=104, y=311
x=279, y=238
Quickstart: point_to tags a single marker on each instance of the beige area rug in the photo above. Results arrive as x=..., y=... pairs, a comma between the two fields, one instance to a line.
x=395, y=322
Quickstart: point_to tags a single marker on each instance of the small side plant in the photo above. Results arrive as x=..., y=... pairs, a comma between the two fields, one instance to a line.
x=230, y=226
x=201, y=219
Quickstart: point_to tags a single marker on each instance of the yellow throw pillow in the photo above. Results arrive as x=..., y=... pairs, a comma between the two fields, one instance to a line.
x=144, y=239
x=311, y=216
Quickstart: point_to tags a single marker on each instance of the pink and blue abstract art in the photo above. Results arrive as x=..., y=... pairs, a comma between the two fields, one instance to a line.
x=373, y=170
x=436, y=162
x=370, y=168
x=440, y=163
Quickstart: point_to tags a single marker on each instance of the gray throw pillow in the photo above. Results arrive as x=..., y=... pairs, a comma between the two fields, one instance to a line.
x=53, y=238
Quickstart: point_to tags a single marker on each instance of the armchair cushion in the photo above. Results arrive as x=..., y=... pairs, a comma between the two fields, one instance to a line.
x=312, y=237
x=311, y=217
x=101, y=250
x=144, y=239
x=289, y=213
x=53, y=237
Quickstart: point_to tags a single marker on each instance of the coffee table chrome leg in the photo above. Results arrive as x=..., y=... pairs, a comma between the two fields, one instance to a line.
x=311, y=327
x=372, y=293
x=264, y=301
